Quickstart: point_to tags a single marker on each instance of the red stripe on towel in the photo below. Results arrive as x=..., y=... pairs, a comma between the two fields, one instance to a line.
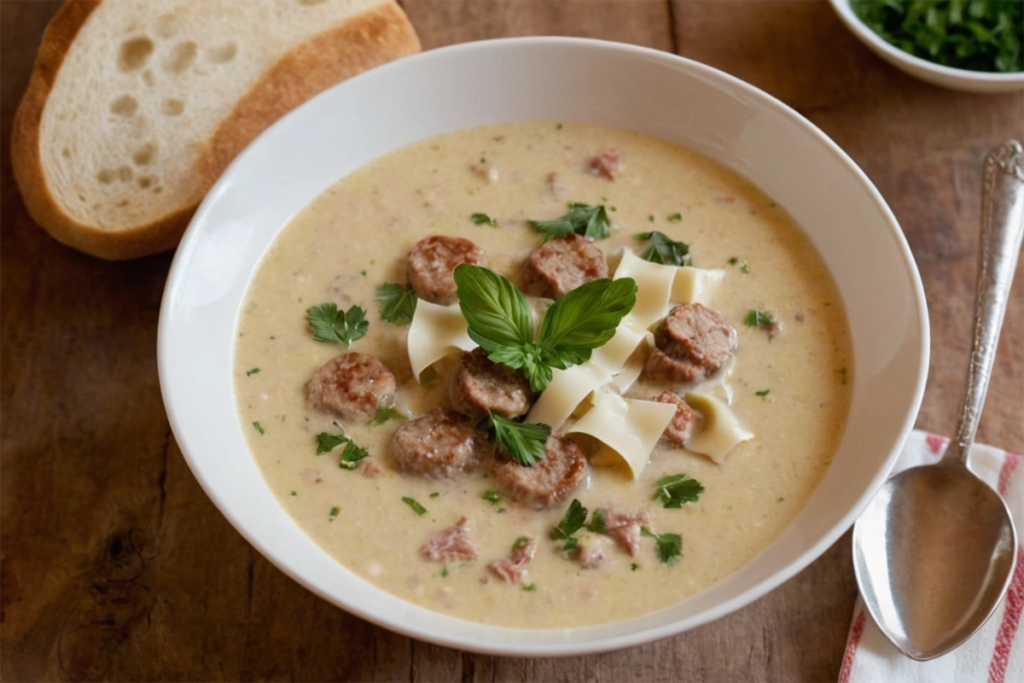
x=851, y=647
x=1014, y=601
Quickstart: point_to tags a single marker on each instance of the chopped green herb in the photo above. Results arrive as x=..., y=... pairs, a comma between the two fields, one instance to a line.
x=416, y=507
x=397, y=303
x=333, y=513
x=500, y=322
x=351, y=456
x=339, y=327
x=650, y=217
x=524, y=442
x=760, y=319
x=558, y=126
x=294, y=493
x=674, y=217
x=491, y=496
x=529, y=587
x=435, y=494
x=596, y=523
x=733, y=261
x=978, y=35
x=325, y=443
x=668, y=547
x=519, y=542
x=590, y=221
x=444, y=571
x=484, y=219
x=762, y=393
x=363, y=272
x=676, y=489
x=383, y=415
x=745, y=268
x=570, y=545
x=633, y=567
x=252, y=372
x=259, y=427
x=573, y=520
x=663, y=249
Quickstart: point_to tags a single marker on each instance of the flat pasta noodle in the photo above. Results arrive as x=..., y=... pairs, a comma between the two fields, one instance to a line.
x=436, y=331
x=722, y=430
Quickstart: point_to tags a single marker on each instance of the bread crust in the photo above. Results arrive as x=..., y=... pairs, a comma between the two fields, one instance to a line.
x=375, y=36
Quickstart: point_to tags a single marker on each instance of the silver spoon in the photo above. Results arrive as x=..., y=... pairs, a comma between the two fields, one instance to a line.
x=934, y=551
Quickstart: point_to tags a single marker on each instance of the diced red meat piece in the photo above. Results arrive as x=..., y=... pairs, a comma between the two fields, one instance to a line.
x=624, y=527
x=607, y=165
x=591, y=552
x=449, y=545
x=513, y=567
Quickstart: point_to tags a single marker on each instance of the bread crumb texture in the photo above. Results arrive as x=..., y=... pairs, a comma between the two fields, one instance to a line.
x=151, y=99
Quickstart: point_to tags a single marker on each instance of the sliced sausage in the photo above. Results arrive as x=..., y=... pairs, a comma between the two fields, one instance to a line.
x=694, y=341
x=680, y=429
x=438, y=445
x=431, y=262
x=480, y=385
x=548, y=482
x=449, y=544
x=352, y=386
x=560, y=265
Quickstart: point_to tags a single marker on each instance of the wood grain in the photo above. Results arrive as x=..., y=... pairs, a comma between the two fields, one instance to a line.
x=114, y=564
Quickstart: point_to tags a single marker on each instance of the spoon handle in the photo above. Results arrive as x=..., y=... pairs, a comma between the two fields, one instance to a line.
x=1002, y=227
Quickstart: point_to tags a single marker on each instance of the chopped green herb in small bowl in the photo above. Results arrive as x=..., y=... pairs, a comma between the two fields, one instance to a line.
x=971, y=45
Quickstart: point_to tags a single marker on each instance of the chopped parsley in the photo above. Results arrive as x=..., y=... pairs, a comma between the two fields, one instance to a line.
x=397, y=303
x=761, y=319
x=524, y=442
x=663, y=249
x=351, y=456
x=596, y=523
x=590, y=221
x=384, y=414
x=258, y=426
x=254, y=371
x=573, y=520
x=435, y=494
x=499, y=320
x=444, y=571
x=325, y=443
x=484, y=219
x=339, y=327
x=633, y=567
x=333, y=513
x=416, y=507
x=668, y=547
x=674, y=217
x=762, y=393
x=650, y=217
x=529, y=587
x=676, y=489
x=294, y=493
x=491, y=496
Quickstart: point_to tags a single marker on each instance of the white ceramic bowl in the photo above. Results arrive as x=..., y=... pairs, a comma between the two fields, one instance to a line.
x=555, y=79
x=930, y=72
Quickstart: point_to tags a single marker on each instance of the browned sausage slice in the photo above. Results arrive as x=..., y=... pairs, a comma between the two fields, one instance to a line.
x=480, y=385
x=431, y=262
x=561, y=265
x=548, y=482
x=694, y=341
x=352, y=386
x=680, y=429
x=438, y=445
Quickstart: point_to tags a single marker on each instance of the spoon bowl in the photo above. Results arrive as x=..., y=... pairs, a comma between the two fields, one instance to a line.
x=935, y=550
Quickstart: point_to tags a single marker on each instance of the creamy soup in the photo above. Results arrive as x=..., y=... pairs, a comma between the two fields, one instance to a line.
x=787, y=383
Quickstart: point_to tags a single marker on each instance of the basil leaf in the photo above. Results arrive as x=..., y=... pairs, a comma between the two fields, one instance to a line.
x=586, y=317
x=495, y=310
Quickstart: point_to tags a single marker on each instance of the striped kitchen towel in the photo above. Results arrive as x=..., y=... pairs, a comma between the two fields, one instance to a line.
x=996, y=652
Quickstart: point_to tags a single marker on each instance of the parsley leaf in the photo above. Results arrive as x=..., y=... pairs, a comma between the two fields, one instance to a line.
x=762, y=393
x=676, y=489
x=383, y=415
x=340, y=327
x=397, y=303
x=258, y=427
x=590, y=221
x=351, y=456
x=484, y=219
x=668, y=547
x=416, y=507
x=674, y=218
x=325, y=443
x=663, y=249
x=254, y=371
x=499, y=321
x=573, y=520
x=596, y=524
x=524, y=442
x=759, y=318
x=493, y=497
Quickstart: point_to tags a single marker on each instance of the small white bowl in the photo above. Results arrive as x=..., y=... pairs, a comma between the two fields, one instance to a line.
x=936, y=74
x=553, y=79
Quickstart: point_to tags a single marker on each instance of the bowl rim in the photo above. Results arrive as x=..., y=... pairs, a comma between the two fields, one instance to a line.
x=600, y=643
x=862, y=31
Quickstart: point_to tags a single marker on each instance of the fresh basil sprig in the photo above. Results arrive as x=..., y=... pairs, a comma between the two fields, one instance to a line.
x=500, y=322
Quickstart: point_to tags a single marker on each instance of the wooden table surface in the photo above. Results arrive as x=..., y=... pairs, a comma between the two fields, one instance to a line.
x=116, y=566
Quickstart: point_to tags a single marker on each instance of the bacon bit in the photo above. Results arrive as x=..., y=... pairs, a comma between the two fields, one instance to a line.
x=512, y=568
x=590, y=552
x=799, y=317
x=498, y=138
x=488, y=172
x=624, y=528
x=369, y=469
x=312, y=475
x=450, y=544
x=484, y=580
x=607, y=165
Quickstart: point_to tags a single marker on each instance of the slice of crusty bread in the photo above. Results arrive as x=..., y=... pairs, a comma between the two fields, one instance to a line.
x=135, y=107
